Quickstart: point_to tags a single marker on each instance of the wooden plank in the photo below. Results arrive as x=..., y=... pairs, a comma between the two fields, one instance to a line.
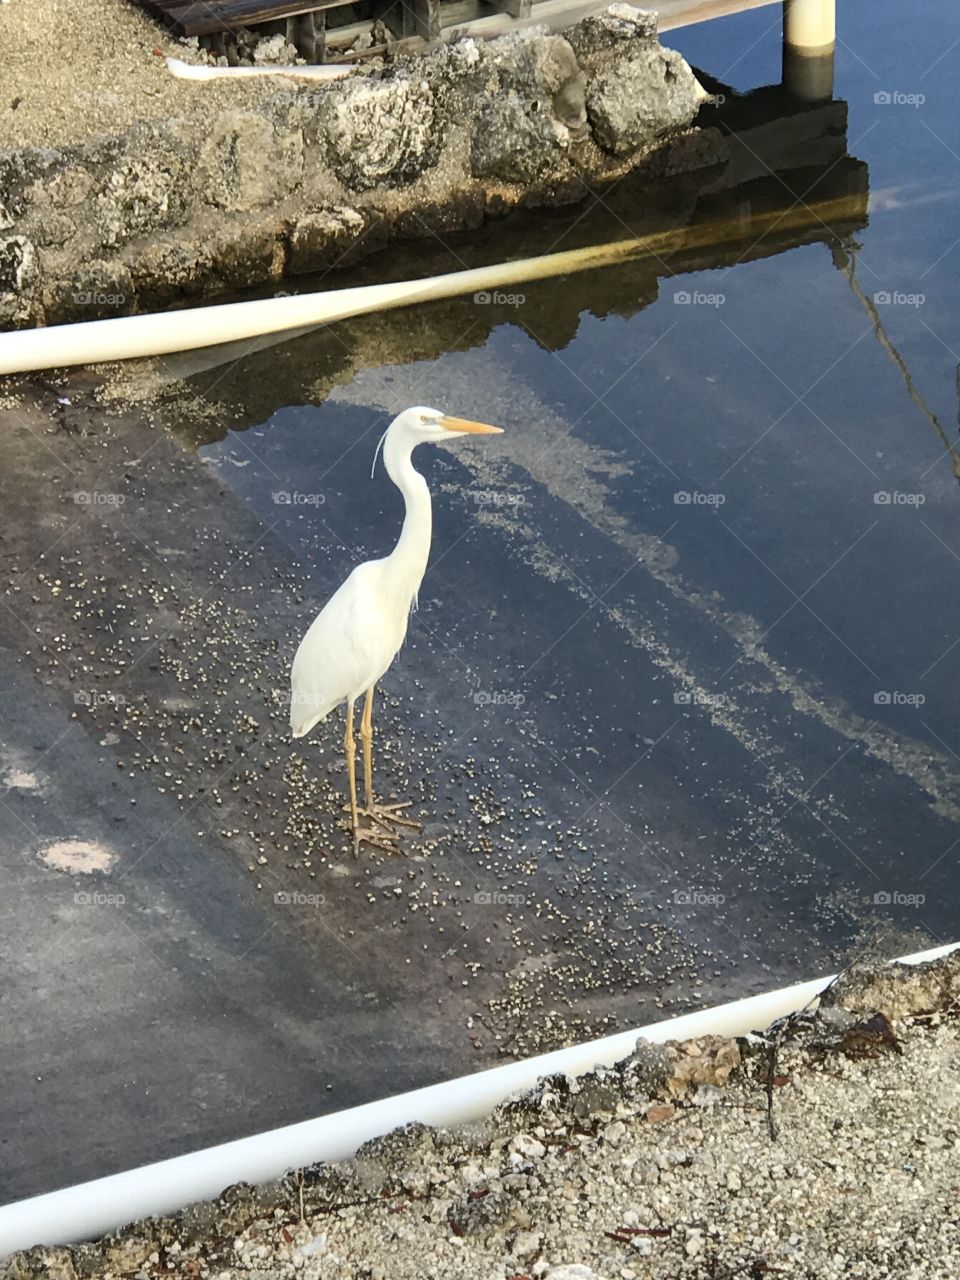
x=406, y=18
x=684, y=13
x=424, y=18
x=307, y=34
x=412, y=44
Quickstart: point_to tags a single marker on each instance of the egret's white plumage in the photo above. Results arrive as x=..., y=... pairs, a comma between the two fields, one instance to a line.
x=349, y=646
x=358, y=633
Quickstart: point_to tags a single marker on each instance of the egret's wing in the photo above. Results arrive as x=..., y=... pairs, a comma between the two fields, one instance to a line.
x=340, y=655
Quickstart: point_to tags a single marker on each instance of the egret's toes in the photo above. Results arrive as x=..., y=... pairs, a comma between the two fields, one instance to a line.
x=389, y=814
x=379, y=839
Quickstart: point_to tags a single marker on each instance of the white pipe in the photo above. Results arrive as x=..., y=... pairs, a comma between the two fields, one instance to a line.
x=810, y=25
x=130, y=337
x=90, y=1209
x=193, y=71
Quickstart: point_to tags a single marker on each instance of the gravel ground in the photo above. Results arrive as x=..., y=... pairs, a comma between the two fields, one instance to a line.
x=73, y=69
x=825, y=1149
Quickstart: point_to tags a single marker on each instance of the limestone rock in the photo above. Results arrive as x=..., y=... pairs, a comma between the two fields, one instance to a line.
x=527, y=1244
x=24, y=171
x=167, y=269
x=645, y=1072
x=524, y=1144
x=616, y=29
x=711, y=1060
x=39, y=1263
x=595, y=1092
x=250, y=253
x=52, y=229
x=96, y=291
x=126, y=1252
x=145, y=188
x=380, y=132
x=896, y=990
x=395, y=1150
x=274, y=49
x=19, y=275
x=323, y=238
x=546, y=1102
x=543, y=68
x=69, y=187
x=640, y=99
x=516, y=140
x=481, y=1213
x=316, y=174
x=247, y=163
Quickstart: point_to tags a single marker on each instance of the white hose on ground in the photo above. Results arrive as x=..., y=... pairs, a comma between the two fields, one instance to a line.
x=129, y=337
x=194, y=71
x=89, y=1209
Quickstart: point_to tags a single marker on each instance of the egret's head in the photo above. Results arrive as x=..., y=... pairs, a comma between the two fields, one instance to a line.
x=424, y=424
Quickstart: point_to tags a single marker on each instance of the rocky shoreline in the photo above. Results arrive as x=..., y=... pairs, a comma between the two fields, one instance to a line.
x=824, y=1148
x=174, y=210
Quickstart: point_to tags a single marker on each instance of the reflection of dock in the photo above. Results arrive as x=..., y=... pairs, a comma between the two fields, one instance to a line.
x=782, y=178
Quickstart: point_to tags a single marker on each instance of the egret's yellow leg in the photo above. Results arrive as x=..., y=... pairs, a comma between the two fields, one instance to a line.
x=379, y=838
x=383, y=813
x=366, y=737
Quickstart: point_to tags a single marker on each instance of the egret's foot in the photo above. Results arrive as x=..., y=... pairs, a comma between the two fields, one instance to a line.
x=389, y=814
x=384, y=840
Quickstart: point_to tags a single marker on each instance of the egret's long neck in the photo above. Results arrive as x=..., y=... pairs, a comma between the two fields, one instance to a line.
x=408, y=559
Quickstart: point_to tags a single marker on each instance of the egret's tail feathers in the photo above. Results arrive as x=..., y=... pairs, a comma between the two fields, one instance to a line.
x=304, y=715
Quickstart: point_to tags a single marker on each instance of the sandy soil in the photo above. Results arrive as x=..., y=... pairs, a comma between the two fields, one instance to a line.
x=72, y=69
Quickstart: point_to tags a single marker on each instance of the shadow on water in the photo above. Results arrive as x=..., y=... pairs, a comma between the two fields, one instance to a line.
x=782, y=178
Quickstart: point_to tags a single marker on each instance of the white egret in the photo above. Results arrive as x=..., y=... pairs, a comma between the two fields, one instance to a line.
x=359, y=631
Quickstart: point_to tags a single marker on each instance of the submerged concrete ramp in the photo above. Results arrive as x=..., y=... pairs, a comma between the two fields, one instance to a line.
x=150, y=1004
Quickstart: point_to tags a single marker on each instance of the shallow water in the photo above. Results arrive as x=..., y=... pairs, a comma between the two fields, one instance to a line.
x=714, y=558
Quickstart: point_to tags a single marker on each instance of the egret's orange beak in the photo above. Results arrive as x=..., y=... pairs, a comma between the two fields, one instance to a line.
x=475, y=428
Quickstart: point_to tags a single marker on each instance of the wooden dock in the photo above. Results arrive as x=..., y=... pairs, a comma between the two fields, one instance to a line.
x=216, y=22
